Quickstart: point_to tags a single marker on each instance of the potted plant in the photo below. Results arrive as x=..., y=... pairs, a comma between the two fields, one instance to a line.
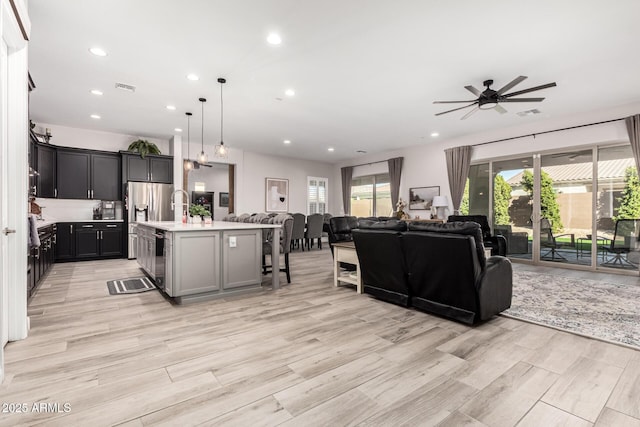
x=143, y=147
x=199, y=210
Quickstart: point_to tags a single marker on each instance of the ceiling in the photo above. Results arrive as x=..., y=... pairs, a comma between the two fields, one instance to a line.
x=365, y=72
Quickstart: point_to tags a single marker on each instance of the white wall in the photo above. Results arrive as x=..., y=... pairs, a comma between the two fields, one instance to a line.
x=425, y=165
x=216, y=179
x=258, y=167
x=95, y=140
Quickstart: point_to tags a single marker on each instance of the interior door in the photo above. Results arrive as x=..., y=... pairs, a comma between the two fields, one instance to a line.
x=4, y=317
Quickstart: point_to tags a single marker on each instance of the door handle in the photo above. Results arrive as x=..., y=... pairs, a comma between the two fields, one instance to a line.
x=8, y=231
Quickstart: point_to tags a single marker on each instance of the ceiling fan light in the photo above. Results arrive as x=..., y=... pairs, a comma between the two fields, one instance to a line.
x=488, y=105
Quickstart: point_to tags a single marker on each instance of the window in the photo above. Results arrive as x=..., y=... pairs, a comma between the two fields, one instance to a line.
x=371, y=196
x=316, y=195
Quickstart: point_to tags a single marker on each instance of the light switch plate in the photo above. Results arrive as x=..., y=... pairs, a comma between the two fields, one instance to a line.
x=232, y=241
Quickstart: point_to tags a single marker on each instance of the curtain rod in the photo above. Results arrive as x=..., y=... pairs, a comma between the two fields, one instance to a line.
x=547, y=131
x=368, y=164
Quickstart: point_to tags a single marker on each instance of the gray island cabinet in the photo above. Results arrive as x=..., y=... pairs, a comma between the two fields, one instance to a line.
x=193, y=262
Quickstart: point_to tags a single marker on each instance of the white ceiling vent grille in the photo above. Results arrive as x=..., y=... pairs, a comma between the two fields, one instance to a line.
x=128, y=88
x=529, y=112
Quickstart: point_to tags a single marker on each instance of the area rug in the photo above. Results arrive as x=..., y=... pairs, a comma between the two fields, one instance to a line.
x=130, y=286
x=606, y=311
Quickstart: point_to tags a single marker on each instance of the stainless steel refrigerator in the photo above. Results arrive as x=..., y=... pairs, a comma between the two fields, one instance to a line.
x=146, y=202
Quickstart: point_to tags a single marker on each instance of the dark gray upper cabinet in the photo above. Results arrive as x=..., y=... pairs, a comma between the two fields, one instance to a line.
x=153, y=168
x=161, y=170
x=137, y=168
x=46, y=167
x=73, y=174
x=105, y=176
x=88, y=174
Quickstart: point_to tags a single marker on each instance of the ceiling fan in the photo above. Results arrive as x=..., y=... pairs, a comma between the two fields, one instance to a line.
x=490, y=99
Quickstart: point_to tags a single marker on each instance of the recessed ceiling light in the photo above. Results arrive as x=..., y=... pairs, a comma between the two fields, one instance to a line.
x=274, y=39
x=178, y=130
x=435, y=134
x=171, y=107
x=98, y=51
x=331, y=149
x=193, y=77
x=96, y=92
x=95, y=116
x=286, y=141
x=290, y=92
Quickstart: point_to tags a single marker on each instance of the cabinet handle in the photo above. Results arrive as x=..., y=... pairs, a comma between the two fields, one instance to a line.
x=55, y=239
x=55, y=192
x=71, y=229
x=87, y=226
x=111, y=225
x=88, y=194
x=101, y=235
x=92, y=194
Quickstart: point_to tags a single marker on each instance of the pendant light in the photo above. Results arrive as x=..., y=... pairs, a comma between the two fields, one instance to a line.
x=188, y=165
x=221, y=151
x=203, y=156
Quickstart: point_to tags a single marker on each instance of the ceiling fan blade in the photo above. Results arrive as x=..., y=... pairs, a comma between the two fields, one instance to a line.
x=499, y=109
x=469, y=113
x=473, y=90
x=511, y=84
x=522, y=100
x=456, y=109
x=453, y=102
x=196, y=165
x=531, y=89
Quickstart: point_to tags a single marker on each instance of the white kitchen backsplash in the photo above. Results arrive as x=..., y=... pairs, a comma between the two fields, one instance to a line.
x=71, y=210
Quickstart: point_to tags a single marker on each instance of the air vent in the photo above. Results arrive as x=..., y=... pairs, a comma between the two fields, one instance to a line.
x=529, y=112
x=128, y=88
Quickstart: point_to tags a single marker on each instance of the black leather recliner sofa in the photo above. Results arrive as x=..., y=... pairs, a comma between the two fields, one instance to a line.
x=382, y=265
x=437, y=268
x=497, y=243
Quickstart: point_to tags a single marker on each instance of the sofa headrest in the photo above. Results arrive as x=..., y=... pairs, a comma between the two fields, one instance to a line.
x=465, y=228
x=480, y=219
x=392, y=224
x=340, y=225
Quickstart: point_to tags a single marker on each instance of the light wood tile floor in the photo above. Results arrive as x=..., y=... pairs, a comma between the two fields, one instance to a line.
x=308, y=354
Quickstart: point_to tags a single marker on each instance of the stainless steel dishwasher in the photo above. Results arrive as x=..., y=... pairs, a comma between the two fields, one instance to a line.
x=159, y=272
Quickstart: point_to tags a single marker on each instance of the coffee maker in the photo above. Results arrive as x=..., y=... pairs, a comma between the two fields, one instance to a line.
x=108, y=209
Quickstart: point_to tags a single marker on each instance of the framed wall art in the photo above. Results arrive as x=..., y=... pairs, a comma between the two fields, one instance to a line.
x=276, y=195
x=224, y=200
x=421, y=198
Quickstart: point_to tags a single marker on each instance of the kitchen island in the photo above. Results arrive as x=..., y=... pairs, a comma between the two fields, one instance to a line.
x=194, y=262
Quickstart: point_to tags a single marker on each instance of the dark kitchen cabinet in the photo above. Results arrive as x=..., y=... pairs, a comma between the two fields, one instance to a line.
x=111, y=240
x=46, y=167
x=105, y=176
x=85, y=174
x=41, y=259
x=161, y=170
x=73, y=174
x=66, y=242
x=153, y=168
x=87, y=241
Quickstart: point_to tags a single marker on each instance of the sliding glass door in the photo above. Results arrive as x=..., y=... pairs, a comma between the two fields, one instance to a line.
x=566, y=215
x=512, y=204
x=578, y=207
x=617, y=209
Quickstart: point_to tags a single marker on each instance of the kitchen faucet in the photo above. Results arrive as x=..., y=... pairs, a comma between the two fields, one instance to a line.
x=180, y=190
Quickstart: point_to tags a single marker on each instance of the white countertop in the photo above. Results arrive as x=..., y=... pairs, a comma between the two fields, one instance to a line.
x=47, y=222
x=214, y=226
